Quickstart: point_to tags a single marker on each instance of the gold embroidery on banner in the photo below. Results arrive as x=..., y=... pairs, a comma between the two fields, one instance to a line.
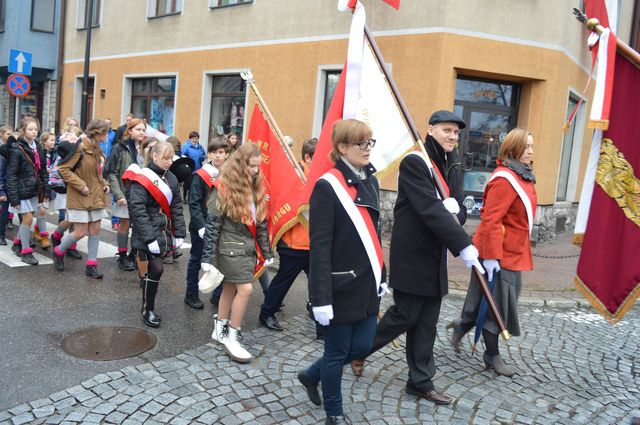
x=616, y=177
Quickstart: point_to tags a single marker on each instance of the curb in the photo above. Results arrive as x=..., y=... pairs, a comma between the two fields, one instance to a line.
x=559, y=304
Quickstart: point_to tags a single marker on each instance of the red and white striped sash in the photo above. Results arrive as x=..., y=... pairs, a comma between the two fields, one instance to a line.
x=208, y=173
x=511, y=178
x=154, y=184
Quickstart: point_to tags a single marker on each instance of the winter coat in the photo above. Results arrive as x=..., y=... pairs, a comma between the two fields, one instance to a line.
x=340, y=272
x=122, y=155
x=149, y=221
x=83, y=169
x=196, y=153
x=23, y=181
x=4, y=151
x=422, y=232
x=198, y=195
x=230, y=246
x=503, y=232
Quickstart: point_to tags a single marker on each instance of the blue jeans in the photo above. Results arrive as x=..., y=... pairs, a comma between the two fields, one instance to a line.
x=193, y=268
x=292, y=262
x=342, y=343
x=4, y=216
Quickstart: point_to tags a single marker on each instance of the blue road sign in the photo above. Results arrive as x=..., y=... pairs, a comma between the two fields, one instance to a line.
x=20, y=62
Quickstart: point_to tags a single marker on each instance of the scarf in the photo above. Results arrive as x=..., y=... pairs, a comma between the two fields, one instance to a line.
x=523, y=170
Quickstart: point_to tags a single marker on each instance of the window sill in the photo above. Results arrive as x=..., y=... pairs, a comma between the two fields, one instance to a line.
x=84, y=29
x=230, y=5
x=164, y=16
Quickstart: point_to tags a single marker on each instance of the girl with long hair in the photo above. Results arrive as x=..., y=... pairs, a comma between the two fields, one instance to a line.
x=40, y=234
x=81, y=166
x=236, y=242
x=26, y=185
x=155, y=207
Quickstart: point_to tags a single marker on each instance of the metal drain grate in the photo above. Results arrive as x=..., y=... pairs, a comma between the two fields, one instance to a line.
x=108, y=343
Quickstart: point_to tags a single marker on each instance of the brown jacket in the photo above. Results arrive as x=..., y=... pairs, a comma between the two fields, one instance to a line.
x=87, y=173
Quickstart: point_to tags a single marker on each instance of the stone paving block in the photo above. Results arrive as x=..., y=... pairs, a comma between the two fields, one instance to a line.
x=22, y=418
x=94, y=418
x=152, y=407
x=140, y=416
x=115, y=417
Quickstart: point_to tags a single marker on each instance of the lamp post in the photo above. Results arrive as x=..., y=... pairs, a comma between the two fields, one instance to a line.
x=85, y=76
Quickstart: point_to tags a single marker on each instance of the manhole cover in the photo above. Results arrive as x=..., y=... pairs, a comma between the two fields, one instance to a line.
x=108, y=343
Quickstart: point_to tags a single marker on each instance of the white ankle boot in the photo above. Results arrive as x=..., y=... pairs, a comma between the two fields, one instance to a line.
x=219, y=329
x=233, y=348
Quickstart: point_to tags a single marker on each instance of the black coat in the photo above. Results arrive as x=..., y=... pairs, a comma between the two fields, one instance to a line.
x=423, y=230
x=340, y=272
x=198, y=194
x=23, y=181
x=149, y=223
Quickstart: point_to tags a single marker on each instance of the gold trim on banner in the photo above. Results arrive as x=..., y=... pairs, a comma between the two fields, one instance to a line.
x=578, y=239
x=394, y=164
x=285, y=227
x=598, y=124
x=626, y=305
x=616, y=177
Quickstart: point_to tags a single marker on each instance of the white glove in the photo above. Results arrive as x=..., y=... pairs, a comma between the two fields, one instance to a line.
x=323, y=314
x=201, y=233
x=451, y=205
x=154, y=248
x=491, y=266
x=268, y=262
x=478, y=266
x=470, y=257
x=205, y=267
x=384, y=289
x=178, y=242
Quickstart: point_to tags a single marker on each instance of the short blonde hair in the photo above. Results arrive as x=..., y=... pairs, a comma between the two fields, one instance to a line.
x=347, y=131
x=514, y=144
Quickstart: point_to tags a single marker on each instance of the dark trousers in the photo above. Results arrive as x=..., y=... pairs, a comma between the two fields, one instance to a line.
x=417, y=316
x=342, y=343
x=4, y=216
x=193, y=267
x=292, y=262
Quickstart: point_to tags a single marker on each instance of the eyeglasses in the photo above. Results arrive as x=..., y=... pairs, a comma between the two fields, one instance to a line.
x=366, y=144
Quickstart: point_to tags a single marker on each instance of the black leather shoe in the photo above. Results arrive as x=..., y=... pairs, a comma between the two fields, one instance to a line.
x=312, y=390
x=336, y=420
x=73, y=253
x=193, y=301
x=17, y=248
x=92, y=271
x=29, y=259
x=151, y=319
x=58, y=261
x=270, y=322
x=176, y=254
x=433, y=395
x=125, y=263
x=3, y=241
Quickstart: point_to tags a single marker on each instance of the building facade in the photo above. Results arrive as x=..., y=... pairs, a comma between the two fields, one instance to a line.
x=498, y=63
x=32, y=26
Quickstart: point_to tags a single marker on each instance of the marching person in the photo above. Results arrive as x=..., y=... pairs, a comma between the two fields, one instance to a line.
x=202, y=184
x=423, y=230
x=236, y=241
x=506, y=218
x=155, y=207
x=27, y=185
x=123, y=154
x=81, y=166
x=347, y=273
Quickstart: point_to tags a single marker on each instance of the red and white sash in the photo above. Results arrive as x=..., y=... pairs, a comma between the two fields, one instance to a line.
x=130, y=172
x=511, y=178
x=430, y=167
x=160, y=191
x=253, y=228
x=208, y=173
x=361, y=220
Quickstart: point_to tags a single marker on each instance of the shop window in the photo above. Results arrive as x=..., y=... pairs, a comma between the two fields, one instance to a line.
x=2, y=6
x=228, y=96
x=160, y=8
x=223, y=3
x=565, y=177
x=153, y=99
x=82, y=21
x=43, y=14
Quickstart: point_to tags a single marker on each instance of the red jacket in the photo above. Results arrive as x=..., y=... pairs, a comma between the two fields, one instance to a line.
x=503, y=232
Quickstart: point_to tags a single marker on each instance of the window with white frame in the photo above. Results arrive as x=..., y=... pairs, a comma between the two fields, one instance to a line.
x=43, y=14
x=223, y=3
x=228, y=97
x=571, y=142
x=160, y=8
x=82, y=20
x=153, y=99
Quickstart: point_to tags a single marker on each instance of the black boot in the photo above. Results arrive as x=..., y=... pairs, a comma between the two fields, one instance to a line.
x=149, y=290
x=73, y=253
x=125, y=263
x=92, y=271
x=336, y=420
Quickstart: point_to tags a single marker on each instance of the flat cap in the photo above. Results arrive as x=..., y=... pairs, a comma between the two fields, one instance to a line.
x=446, y=116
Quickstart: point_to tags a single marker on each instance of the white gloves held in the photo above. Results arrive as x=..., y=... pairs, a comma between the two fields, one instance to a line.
x=206, y=267
x=201, y=233
x=451, y=205
x=323, y=314
x=268, y=261
x=178, y=242
x=154, y=248
x=470, y=257
x=383, y=290
x=491, y=266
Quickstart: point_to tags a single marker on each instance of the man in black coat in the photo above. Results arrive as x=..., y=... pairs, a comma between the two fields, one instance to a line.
x=424, y=227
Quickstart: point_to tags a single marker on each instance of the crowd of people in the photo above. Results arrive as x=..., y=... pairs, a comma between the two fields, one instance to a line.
x=85, y=172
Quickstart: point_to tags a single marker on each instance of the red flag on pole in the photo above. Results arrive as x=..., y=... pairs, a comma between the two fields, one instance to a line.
x=283, y=184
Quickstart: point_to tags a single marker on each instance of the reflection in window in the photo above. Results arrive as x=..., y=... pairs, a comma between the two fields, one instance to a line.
x=42, y=15
x=565, y=157
x=330, y=83
x=153, y=99
x=484, y=92
x=227, y=106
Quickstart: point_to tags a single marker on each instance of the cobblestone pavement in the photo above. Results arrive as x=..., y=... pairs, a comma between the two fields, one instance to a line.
x=573, y=368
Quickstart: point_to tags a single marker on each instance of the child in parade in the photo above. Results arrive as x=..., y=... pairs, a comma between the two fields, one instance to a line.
x=26, y=185
x=81, y=166
x=202, y=184
x=5, y=132
x=40, y=234
x=236, y=242
x=123, y=154
x=506, y=219
x=155, y=207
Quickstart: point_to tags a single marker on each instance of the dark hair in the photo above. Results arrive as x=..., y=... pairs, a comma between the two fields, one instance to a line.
x=309, y=147
x=218, y=143
x=193, y=134
x=175, y=142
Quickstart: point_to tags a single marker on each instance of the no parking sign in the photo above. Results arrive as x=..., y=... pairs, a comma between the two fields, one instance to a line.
x=18, y=85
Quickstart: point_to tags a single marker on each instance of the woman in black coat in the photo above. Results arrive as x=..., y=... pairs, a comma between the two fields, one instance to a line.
x=155, y=207
x=347, y=274
x=26, y=184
